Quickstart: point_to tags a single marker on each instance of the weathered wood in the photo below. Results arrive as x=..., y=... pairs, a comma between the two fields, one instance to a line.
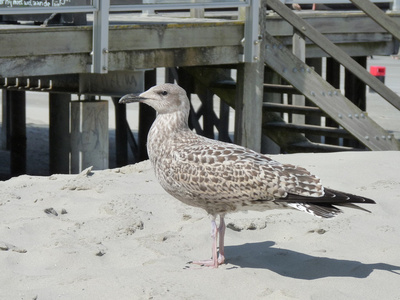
x=164, y=42
x=329, y=99
x=17, y=132
x=335, y=52
x=248, y=112
x=378, y=16
x=316, y=64
x=355, y=91
x=59, y=137
x=5, y=119
x=271, y=78
x=333, y=77
x=210, y=75
x=299, y=50
x=146, y=115
x=89, y=135
x=121, y=133
x=312, y=129
x=306, y=110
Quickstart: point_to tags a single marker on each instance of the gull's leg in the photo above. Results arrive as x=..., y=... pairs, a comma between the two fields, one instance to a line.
x=214, y=261
x=221, y=230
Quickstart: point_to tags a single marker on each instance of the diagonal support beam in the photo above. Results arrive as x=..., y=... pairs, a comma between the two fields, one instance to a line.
x=329, y=99
x=334, y=51
x=379, y=17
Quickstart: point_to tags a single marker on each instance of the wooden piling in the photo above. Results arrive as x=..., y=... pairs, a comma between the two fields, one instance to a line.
x=89, y=135
x=59, y=137
x=17, y=132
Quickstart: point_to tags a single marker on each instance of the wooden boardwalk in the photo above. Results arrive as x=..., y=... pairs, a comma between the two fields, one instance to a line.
x=57, y=60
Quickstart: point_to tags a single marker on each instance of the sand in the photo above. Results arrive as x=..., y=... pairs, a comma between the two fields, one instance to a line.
x=118, y=235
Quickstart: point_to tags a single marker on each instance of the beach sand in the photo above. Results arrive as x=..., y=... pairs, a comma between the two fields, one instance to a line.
x=118, y=235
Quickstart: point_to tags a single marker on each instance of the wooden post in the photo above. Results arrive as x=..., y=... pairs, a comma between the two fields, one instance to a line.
x=316, y=64
x=249, y=99
x=333, y=77
x=17, y=132
x=89, y=135
x=268, y=145
x=5, y=126
x=121, y=133
x=355, y=91
x=59, y=137
x=146, y=115
x=299, y=49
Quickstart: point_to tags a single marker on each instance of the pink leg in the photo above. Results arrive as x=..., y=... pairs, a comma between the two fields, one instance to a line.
x=221, y=230
x=215, y=260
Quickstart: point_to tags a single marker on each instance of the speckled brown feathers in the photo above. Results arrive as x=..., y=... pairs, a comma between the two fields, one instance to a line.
x=221, y=177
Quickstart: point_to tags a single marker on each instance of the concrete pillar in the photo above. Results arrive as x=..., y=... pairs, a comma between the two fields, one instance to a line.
x=89, y=135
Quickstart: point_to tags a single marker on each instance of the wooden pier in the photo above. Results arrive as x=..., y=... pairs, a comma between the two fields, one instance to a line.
x=199, y=54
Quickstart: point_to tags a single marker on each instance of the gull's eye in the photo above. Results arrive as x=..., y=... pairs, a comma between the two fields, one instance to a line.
x=164, y=93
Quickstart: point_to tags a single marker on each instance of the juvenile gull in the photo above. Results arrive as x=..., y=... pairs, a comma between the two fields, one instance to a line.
x=224, y=178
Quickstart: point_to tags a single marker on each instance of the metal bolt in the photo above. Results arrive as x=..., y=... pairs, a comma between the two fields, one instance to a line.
x=105, y=51
x=284, y=70
x=256, y=42
x=104, y=68
x=294, y=70
x=362, y=116
x=383, y=137
x=312, y=93
x=356, y=115
x=335, y=93
x=389, y=137
x=256, y=58
x=377, y=137
x=340, y=116
x=330, y=94
x=323, y=93
x=367, y=137
x=350, y=116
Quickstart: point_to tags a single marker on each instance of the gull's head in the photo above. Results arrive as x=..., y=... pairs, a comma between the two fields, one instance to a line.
x=164, y=98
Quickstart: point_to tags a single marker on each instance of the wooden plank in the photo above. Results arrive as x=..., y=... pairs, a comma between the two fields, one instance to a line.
x=330, y=22
x=335, y=52
x=378, y=16
x=329, y=99
x=44, y=65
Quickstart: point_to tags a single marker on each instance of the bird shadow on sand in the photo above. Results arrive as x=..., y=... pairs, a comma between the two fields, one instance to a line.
x=298, y=265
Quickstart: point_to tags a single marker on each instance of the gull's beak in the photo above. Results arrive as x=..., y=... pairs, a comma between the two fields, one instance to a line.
x=131, y=98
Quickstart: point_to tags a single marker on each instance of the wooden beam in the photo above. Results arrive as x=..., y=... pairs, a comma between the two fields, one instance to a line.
x=334, y=51
x=378, y=16
x=329, y=99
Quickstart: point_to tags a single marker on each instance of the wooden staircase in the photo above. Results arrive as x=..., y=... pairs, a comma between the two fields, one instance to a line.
x=350, y=122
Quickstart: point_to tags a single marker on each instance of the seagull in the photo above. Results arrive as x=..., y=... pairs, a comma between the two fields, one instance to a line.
x=224, y=178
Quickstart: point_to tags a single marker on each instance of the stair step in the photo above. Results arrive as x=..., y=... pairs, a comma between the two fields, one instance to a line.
x=295, y=109
x=312, y=129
